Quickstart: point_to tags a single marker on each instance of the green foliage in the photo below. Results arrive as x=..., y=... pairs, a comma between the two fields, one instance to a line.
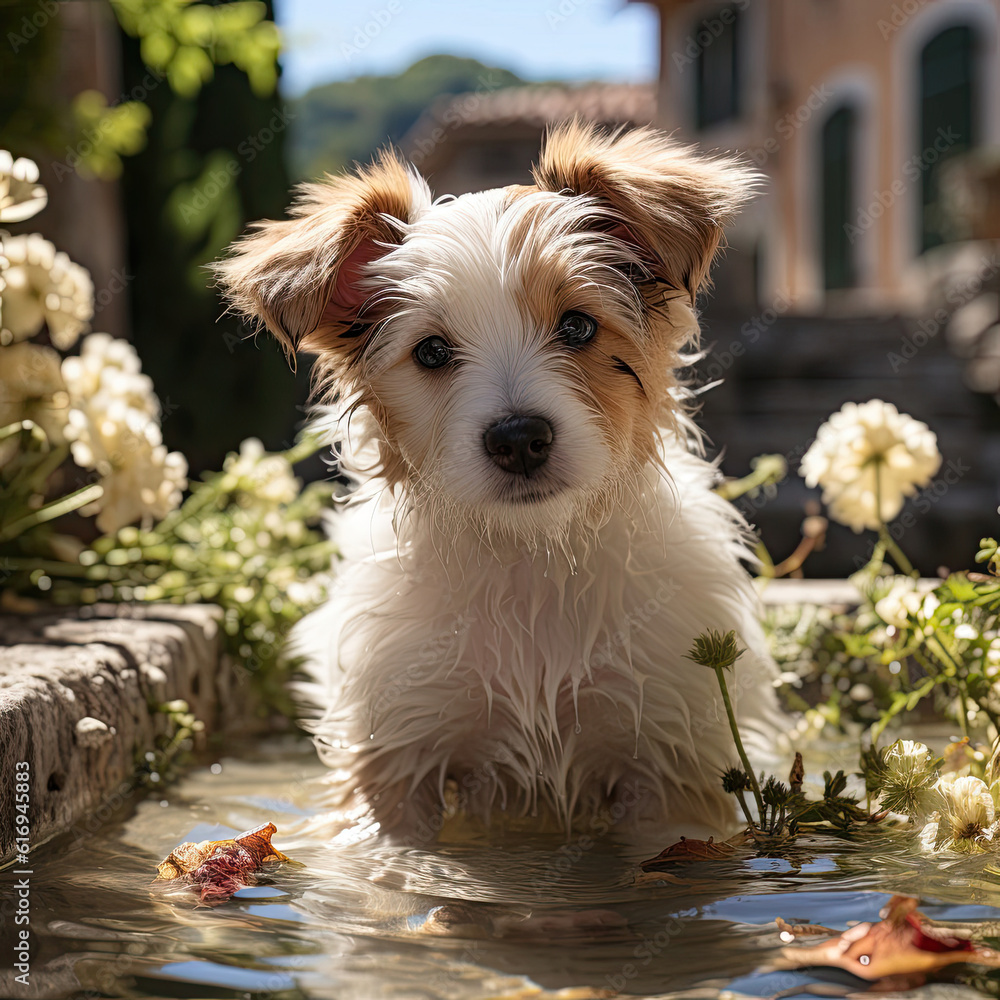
x=346, y=121
x=111, y=133
x=989, y=553
x=767, y=472
x=185, y=41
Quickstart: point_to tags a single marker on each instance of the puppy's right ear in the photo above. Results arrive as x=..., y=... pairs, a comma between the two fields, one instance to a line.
x=306, y=278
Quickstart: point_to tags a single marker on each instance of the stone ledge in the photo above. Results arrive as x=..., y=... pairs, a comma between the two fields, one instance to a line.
x=78, y=690
x=839, y=594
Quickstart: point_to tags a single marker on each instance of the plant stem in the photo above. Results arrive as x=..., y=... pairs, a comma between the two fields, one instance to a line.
x=719, y=673
x=56, y=508
x=746, y=809
x=25, y=425
x=303, y=448
x=51, y=567
x=963, y=695
x=898, y=556
x=888, y=542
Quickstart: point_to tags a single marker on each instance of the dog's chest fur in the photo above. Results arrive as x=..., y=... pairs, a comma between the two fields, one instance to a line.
x=540, y=683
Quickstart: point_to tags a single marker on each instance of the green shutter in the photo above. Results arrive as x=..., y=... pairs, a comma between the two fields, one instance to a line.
x=839, y=140
x=717, y=68
x=947, y=117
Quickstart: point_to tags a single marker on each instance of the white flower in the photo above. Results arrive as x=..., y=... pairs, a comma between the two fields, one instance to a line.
x=110, y=365
x=113, y=428
x=867, y=450
x=21, y=196
x=967, y=811
x=902, y=601
x=907, y=775
x=266, y=477
x=905, y=755
x=31, y=388
x=43, y=286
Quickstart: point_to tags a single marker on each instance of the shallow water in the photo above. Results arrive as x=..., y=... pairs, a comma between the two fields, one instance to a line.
x=528, y=918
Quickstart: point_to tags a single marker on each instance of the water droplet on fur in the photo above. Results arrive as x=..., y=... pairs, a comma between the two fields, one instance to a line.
x=371, y=736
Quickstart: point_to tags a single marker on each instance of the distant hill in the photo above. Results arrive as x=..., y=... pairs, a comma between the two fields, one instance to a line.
x=338, y=123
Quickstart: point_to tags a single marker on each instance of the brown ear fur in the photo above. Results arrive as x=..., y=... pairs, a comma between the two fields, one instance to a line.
x=300, y=276
x=672, y=202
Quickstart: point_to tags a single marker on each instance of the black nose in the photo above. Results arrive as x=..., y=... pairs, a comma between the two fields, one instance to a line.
x=519, y=444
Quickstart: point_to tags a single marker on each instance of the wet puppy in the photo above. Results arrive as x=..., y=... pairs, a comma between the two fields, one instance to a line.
x=535, y=543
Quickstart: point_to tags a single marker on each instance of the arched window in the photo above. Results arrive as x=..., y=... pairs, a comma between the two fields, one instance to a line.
x=717, y=67
x=838, y=208
x=947, y=123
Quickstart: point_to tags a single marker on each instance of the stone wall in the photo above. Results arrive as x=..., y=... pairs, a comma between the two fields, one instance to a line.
x=80, y=697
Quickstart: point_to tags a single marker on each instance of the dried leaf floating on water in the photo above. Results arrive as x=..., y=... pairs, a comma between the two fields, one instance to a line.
x=690, y=850
x=905, y=946
x=220, y=868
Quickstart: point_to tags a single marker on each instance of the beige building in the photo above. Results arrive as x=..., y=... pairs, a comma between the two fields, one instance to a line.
x=850, y=107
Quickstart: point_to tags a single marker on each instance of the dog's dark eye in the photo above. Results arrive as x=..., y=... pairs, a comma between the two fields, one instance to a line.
x=576, y=328
x=432, y=352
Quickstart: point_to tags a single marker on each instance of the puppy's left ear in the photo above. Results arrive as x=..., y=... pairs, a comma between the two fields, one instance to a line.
x=669, y=202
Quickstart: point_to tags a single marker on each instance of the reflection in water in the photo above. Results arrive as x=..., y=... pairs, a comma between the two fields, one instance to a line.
x=465, y=920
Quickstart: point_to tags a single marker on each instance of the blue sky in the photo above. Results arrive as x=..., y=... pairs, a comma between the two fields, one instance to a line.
x=538, y=39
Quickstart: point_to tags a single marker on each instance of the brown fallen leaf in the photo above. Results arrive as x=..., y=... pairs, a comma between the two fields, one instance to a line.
x=904, y=946
x=220, y=868
x=803, y=930
x=690, y=850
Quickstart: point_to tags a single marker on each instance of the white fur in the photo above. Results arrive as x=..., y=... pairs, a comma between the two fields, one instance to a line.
x=541, y=687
